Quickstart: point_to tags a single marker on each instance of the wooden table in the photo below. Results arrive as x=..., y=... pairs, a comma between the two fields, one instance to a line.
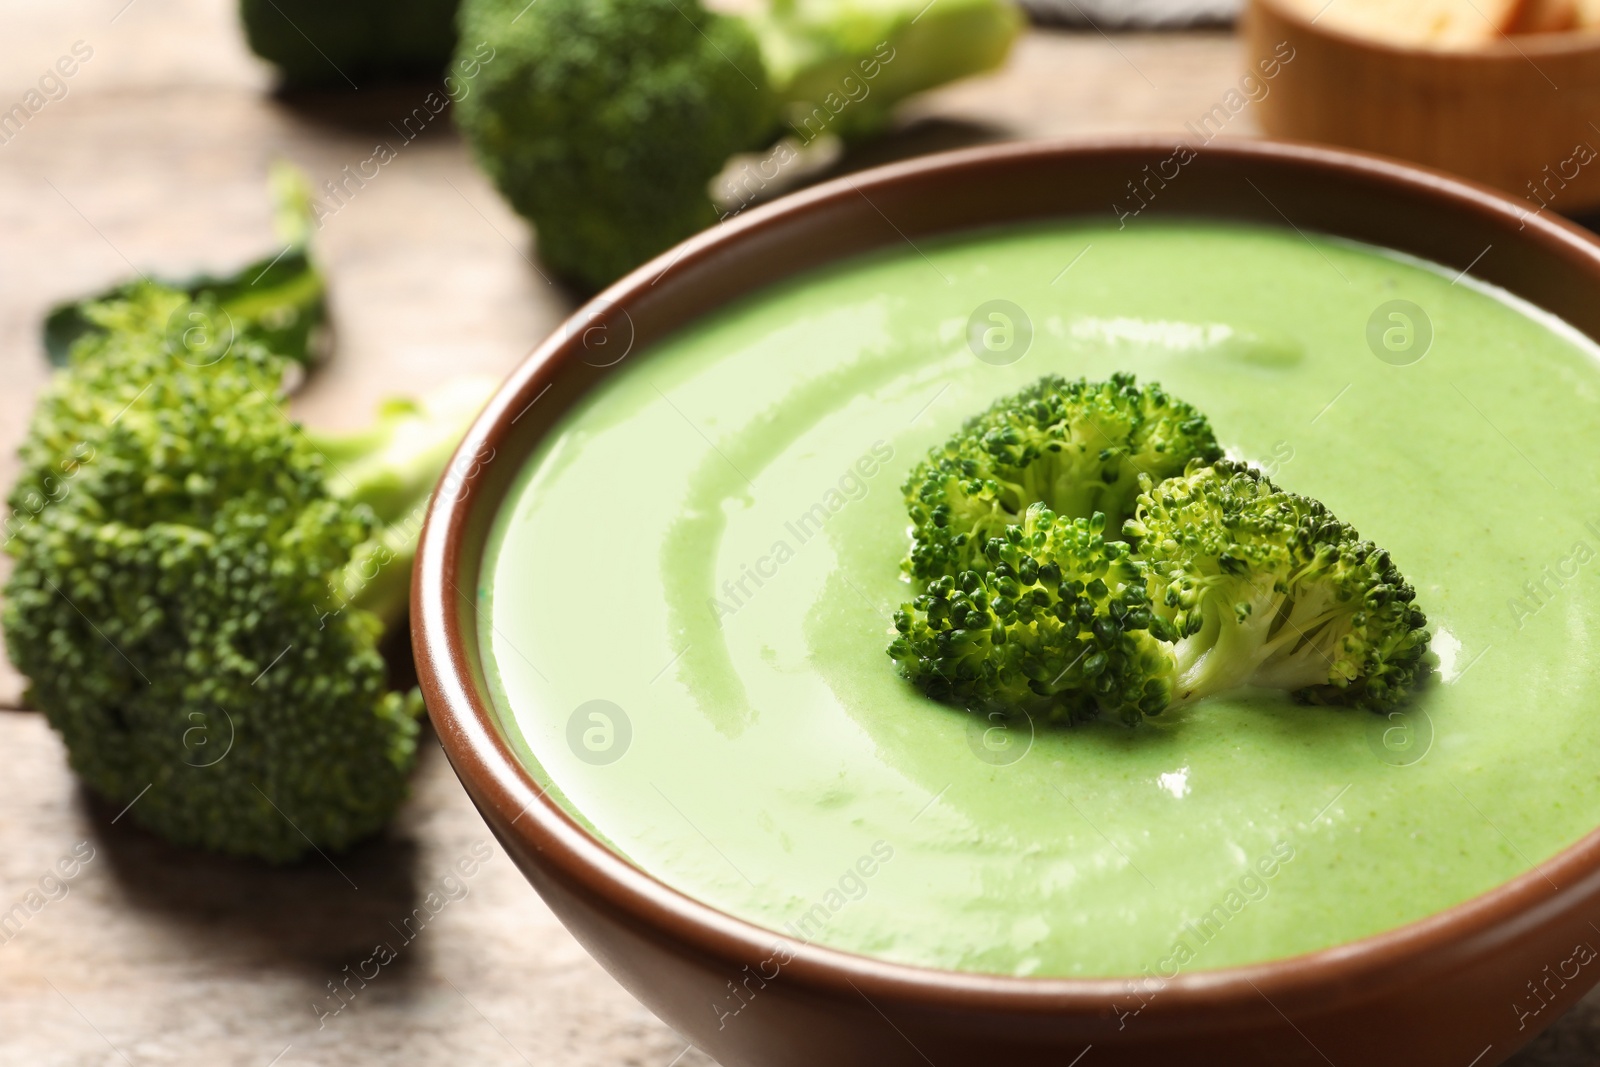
x=155, y=160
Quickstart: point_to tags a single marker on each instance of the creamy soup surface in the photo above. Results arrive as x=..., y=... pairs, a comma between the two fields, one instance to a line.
x=688, y=596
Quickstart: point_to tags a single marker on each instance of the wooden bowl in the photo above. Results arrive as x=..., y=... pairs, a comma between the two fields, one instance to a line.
x=1522, y=114
x=1442, y=991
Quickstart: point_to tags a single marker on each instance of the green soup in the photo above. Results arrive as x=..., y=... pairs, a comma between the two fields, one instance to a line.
x=709, y=548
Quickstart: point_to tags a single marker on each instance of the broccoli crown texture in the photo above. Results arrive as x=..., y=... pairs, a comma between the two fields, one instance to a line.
x=322, y=43
x=1077, y=447
x=1268, y=588
x=175, y=601
x=1220, y=580
x=1058, y=624
x=604, y=121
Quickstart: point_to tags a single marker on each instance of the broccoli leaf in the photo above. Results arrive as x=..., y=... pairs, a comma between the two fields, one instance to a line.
x=279, y=299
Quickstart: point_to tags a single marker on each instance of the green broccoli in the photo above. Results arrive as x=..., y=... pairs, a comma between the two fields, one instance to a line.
x=605, y=121
x=1077, y=447
x=1267, y=588
x=347, y=42
x=198, y=599
x=1057, y=624
x=1222, y=580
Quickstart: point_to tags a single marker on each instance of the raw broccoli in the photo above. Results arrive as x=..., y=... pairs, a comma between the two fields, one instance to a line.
x=1077, y=447
x=347, y=42
x=605, y=121
x=1221, y=580
x=1267, y=588
x=198, y=597
x=1057, y=624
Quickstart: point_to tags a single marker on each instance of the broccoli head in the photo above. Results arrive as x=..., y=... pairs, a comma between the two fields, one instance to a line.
x=1268, y=588
x=198, y=604
x=316, y=43
x=605, y=121
x=1220, y=579
x=1058, y=625
x=1077, y=447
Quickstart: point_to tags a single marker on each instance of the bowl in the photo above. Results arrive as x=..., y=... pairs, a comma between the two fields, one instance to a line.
x=1444, y=990
x=1519, y=114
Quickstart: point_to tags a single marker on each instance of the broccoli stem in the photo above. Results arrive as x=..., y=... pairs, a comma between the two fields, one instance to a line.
x=392, y=466
x=840, y=66
x=1261, y=638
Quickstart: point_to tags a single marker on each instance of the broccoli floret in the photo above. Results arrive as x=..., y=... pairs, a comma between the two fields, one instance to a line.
x=1221, y=579
x=198, y=603
x=605, y=121
x=1268, y=588
x=1077, y=447
x=1058, y=624
x=321, y=43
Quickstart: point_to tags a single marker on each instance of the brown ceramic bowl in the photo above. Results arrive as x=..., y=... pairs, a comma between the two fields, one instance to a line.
x=1442, y=991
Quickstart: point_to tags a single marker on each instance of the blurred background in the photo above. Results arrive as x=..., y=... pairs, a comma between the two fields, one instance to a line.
x=154, y=159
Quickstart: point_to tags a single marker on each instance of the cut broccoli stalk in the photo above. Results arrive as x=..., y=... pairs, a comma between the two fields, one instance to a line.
x=841, y=66
x=176, y=599
x=392, y=467
x=605, y=121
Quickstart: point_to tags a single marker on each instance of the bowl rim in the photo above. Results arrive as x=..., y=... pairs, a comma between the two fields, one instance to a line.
x=1507, y=47
x=519, y=808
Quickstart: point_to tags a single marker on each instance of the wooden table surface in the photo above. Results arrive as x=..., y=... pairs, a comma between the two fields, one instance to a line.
x=155, y=160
